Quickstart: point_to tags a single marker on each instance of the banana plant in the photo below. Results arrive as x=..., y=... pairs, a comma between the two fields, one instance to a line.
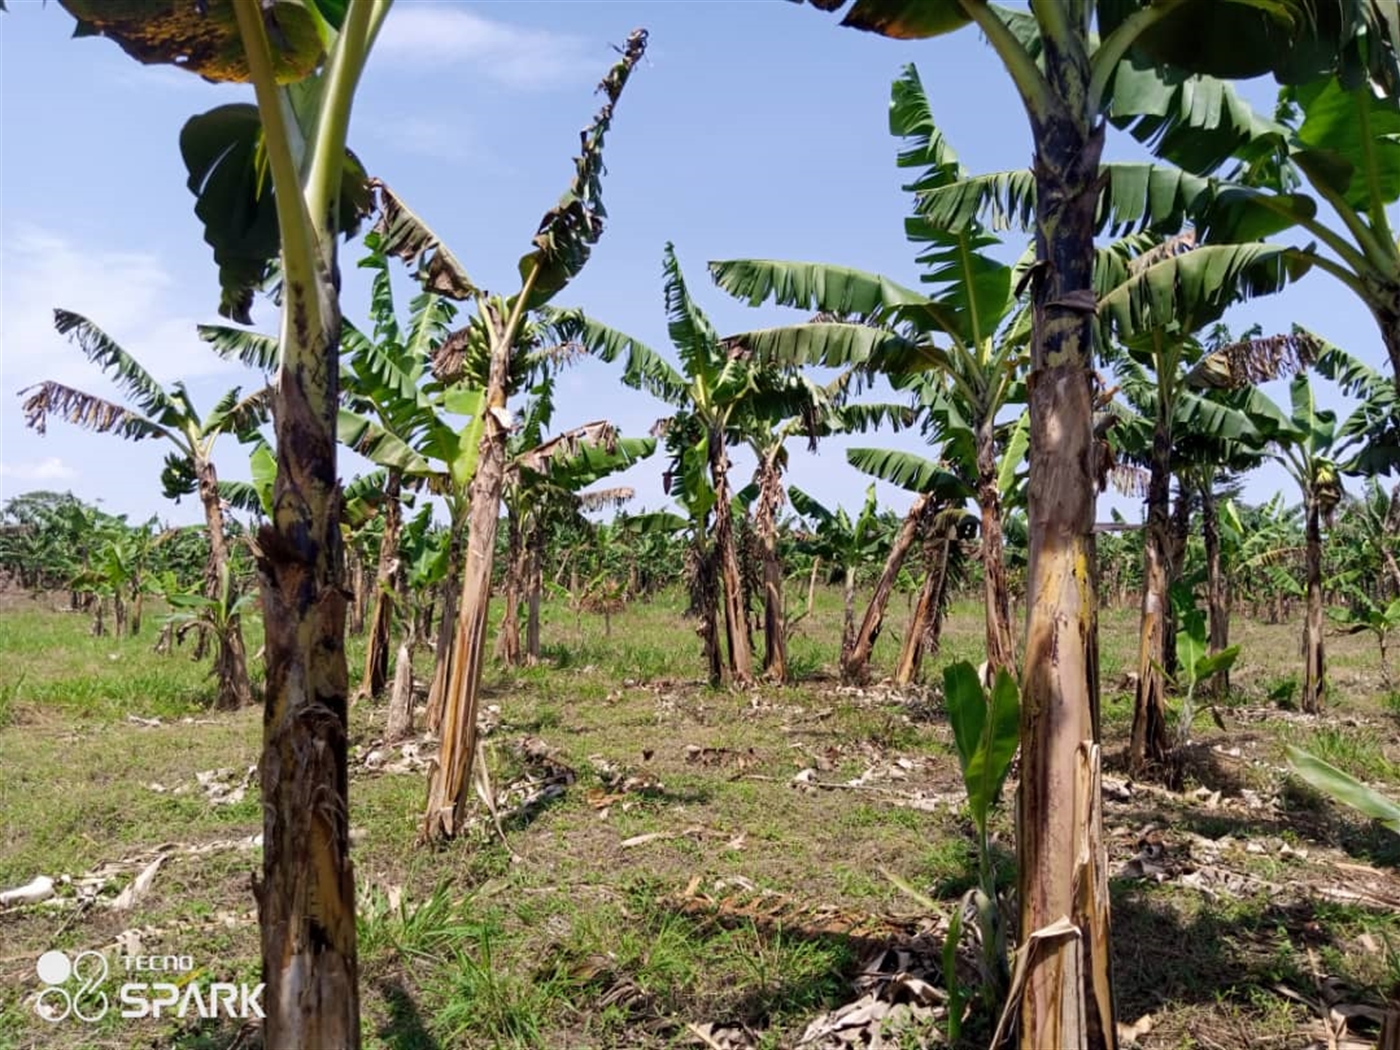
x=986, y=732
x=847, y=545
x=273, y=181
x=543, y=482
x=968, y=338
x=491, y=345
x=722, y=385
x=117, y=570
x=825, y=411
x=1316, y=451
x=1063, y=60
x=1195, y=665
x=1366, y=614
x=935, y=518
x=153, y=411
x=381, y=378
x=220, y=616
x=1155, y=297
x=1369, y=531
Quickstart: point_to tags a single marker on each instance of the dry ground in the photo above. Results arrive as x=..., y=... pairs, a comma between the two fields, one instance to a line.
x=687, y=867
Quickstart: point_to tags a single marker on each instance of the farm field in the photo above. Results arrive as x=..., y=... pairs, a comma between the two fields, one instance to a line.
x=676, y=865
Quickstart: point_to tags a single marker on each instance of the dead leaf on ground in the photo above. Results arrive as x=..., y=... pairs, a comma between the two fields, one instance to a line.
x=139, y=886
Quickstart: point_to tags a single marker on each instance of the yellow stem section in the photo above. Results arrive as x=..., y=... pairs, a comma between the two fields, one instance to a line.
x=1035, y=91
x=299, y=244
x=333, y=123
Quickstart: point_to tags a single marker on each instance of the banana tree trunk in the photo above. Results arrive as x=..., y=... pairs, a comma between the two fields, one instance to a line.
x=231, y=669
x=736, y=632
x=382, y=617
x=1314, y=671
x=1387, y=317
x=1150, y=739
x=306, y=900
x=400, y=716
x=449, y=785
x=855, y=664
x=1062, y=869
x=848, y=612
x=926, y=623
x=1001, y=651
x=704, y=600
x=534, y=592
x=357, y=591
x=99, y=618
x=508, y=648
x=119, y=617
x=1217, y=583
x=766, y=524
x=208, y=481
x=444, y=654
x=812, y=585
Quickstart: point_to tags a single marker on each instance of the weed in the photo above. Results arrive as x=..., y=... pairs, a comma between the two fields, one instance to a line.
x=9, y=695
x=417, y=933
x=485, y=998
x=1283, y=692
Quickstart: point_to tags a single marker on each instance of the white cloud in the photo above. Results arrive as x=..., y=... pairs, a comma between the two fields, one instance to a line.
x=418, y=136
x=130, y=295
x=511, y=55
x=47, y=469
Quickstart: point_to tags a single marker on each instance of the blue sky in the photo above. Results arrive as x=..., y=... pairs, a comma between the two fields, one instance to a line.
x=752, y=128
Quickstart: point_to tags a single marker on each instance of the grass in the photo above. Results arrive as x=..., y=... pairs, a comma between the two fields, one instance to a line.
x=1360, y=751
x=569, y=938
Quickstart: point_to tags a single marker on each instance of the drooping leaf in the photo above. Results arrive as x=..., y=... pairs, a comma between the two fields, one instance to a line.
x=809, y=507
x=1215, y=663
x=227, y=173
x=1198, y=122
x=380, y=446
x=1190, y=290
x=241, y=495
x=909, y=471
x=119, y=366
x=569, y=230
x=658, y=522
x=838, y=290
x=84, y=410
x=400, y=232
x=233, y=414
x=1344, y=788
x=254, y=349
x=830, y=344
x=1237, y=39
x=643, y=368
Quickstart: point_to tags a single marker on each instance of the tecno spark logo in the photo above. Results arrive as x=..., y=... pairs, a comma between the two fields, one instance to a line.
x=56, y=1002
x=73, y=987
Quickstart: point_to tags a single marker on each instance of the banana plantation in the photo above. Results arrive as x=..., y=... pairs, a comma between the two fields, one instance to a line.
x=1074, y=721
